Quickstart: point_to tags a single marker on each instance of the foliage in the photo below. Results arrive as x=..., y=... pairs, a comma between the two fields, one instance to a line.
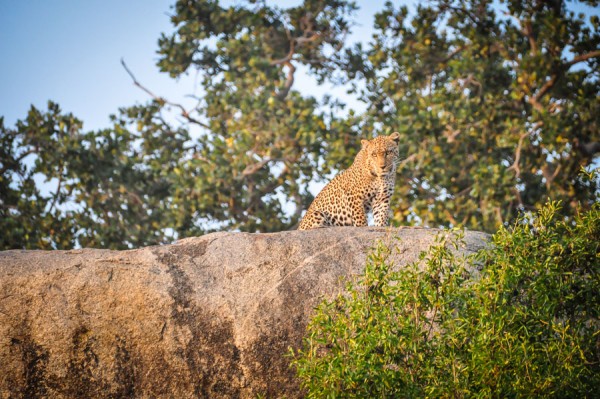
x=497, y=105
x=26, y=216
x=263, y=139
x=101, y=189
x=257, y=142
x=525, y=325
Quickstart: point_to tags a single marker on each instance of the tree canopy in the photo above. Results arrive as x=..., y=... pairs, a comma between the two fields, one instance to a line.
x=496, y=102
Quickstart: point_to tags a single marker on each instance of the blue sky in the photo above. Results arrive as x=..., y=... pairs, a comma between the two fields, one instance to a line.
x=69, y=51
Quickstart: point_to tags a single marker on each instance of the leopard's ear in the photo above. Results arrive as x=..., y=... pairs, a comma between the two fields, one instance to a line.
x=364, y=143
x=395, y=136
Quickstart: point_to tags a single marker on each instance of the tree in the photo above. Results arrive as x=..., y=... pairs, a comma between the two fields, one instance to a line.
x=105, y=191
x=28, y=218
x=498, y=105
x=261, y=140
x=257, y=141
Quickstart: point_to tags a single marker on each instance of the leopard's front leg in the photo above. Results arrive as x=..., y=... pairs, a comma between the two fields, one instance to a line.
x=359, y=216
x=381, y=206
x=356, y=211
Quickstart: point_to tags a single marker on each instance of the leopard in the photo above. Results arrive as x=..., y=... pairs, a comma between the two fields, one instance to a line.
x=367, y=185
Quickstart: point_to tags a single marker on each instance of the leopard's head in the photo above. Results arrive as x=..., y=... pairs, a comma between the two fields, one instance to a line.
x=381, y=154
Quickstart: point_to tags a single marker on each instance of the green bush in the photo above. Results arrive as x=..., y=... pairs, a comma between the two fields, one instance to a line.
x=518, y=319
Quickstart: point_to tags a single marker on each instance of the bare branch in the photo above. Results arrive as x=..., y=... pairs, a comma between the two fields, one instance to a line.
x=308, y=36
x=134, y=198
x=522, y=136
x=307, y=39
x=550, y=176
x=556, y=171
x=464, y=191
x=136, y=83
x=289, y=55
x=535, y=100
x=450, y=134
x=583, y=57
x=201, y=158
x=402, y=163
x=515, y=165
x=470, y=80
x=58, y=187
x=451, y=218
x=519, y=198
x=289, y=81
x=163, y=100
x=251, y=169
x=453, y=53
x=528, y=32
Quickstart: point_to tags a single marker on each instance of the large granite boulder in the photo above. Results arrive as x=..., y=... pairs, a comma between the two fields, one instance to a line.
x=208, y=317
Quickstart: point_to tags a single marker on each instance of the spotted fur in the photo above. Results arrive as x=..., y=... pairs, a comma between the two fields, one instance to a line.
x=367, y=185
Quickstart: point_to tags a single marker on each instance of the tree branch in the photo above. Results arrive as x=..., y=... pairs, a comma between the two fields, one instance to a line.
x=269, y=188
x=58, y=187
x=583, y=57
x=163, y=100
x=453, y=53
x=464, y=191
x=528, y=32
x=451, y=218
x=5, y=165
x=535, y=100
x=550, y=176
x=519, y=198
x=588, y=149
x=515, y=165
x=402, y=163
x=289, y=55
x=308, y=36
x=251, y=169
x=298, y=201
x=288, y=82
x=461, y=11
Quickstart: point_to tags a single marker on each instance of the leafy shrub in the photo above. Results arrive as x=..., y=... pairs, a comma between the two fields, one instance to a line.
x=517, y=319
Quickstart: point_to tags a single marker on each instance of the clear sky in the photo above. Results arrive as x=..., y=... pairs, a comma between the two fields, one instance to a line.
x=69, y=51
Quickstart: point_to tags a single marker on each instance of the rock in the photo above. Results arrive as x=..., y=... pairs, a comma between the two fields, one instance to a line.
x=209, y=317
